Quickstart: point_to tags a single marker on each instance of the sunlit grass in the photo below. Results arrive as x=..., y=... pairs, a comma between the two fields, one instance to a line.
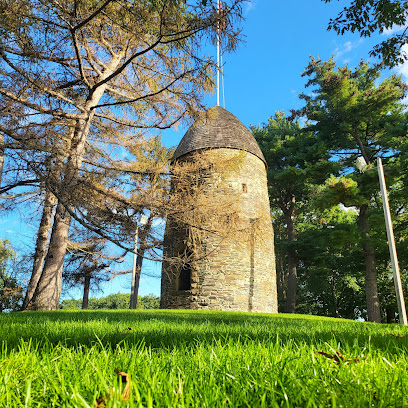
x=199, y=359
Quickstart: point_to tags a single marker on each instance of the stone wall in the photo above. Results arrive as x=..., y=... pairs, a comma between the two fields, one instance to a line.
x=233, y=270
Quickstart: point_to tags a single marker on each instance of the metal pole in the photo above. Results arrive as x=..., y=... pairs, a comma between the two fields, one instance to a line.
x=133, y=300
x=218, y=55
x=391, y=243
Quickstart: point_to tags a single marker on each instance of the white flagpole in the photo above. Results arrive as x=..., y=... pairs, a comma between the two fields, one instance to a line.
x=218, y=54
x=222, y=83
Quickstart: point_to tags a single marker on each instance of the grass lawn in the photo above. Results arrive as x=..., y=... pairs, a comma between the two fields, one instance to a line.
x=199, y=359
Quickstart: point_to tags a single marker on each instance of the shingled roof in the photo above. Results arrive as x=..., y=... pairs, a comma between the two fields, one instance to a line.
x=217, y=128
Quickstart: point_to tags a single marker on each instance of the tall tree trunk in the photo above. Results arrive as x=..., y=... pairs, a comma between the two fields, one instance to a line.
x=280, y=277
x=46, y=297
x=290, y=303
x=280, y=268
x=48, y=291
x=87, y=285
x=41, y=246
x=140, y=253
x=334, y=295
x=373, y=302
x=1, y=156
x=139, y=264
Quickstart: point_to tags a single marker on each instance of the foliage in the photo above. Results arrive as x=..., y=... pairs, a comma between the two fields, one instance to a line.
x=87, y=263
x=298, y=161
x=356, y=114
x=338, y=226
x=376, y=16
x=80, y=82
x=11, y=293
x=331, y=282
x=113, y=301
x=352, y=111
x=196, y=359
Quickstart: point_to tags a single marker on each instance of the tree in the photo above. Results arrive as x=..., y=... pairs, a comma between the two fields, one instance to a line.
x=370, y=16
x=356, y=116
x=297, y=161
x=41, y=245
x=149, y=154
x=113, y=301
x=87, y=263
x=79, y=74
x=10, y=291
x=331, y=282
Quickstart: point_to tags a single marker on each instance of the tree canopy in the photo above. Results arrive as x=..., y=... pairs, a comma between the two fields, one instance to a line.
x=376, y=16
x=81, y=82
x=329, y=226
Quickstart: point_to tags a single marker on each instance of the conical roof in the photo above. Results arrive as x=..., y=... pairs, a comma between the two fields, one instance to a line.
x=218, y=128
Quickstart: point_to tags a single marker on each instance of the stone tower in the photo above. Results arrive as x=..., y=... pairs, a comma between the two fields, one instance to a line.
x=236, y=272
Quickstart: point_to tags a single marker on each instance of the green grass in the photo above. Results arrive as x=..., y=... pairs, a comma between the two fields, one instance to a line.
x=199, y=359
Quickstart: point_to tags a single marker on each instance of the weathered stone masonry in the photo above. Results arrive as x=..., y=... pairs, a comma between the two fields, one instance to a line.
x=235, y=271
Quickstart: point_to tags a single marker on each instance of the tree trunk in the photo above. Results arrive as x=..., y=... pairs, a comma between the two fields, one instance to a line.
x=373, y=302
x=334, y=295
x=144, y=232
x=46, y=297
x=87, y=285
x=48, y=291
x=139, y=263
x=41, y=246
x=390, y=313
x=1, y=156
x=280, y=277
x=290, y=303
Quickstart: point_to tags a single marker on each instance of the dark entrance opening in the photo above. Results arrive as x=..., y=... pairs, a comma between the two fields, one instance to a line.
x=184, y=279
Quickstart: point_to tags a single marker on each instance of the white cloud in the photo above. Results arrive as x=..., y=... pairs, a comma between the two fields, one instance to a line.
x=249, y=6
x=402, y=69
x=346, y=47
x=394, y=29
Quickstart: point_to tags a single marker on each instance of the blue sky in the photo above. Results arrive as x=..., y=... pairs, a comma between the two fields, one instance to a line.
x=261, y=77
x=264, y=75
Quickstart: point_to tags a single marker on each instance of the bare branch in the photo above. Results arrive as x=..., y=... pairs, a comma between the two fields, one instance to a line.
x=92, y=16
x=125, y=64
x=20, y=195
x=147, y=95
x=79, y=58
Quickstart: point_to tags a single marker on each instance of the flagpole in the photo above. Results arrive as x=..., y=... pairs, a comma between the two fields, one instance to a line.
x=218, y=54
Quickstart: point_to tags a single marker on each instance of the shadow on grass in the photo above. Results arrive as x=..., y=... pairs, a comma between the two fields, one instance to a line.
x=164, y=329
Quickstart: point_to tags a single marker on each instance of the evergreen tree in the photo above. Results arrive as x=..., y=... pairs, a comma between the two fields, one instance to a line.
x=297, y=162
x=356, y=116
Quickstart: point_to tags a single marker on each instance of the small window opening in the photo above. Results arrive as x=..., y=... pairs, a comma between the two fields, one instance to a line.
x=184, y=281
x=244, y=188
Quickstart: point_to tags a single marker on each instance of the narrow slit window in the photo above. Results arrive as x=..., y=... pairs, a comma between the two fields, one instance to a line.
x=244, y=188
